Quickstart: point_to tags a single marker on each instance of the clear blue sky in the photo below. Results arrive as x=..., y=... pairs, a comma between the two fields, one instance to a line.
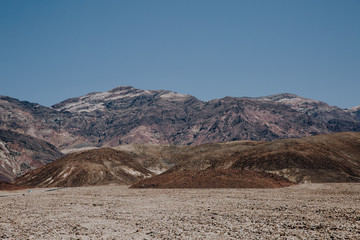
x=53, y=50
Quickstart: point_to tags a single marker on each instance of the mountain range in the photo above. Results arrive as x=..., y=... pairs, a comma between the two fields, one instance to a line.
x=125, y=115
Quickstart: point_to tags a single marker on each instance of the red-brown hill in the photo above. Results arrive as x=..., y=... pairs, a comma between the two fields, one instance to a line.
x=214, y=178
x=94, y=167
x=322, y=158
x=9, y=186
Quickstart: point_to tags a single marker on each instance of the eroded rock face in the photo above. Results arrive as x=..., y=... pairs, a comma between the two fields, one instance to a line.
x=58, y=128
x=20, y=153
x=355, y=112
x=127, y=115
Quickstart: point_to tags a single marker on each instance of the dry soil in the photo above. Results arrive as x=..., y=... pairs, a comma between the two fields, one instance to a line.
x=305, y=211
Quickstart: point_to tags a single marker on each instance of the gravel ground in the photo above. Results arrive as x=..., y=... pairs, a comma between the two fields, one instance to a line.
x=306, y=211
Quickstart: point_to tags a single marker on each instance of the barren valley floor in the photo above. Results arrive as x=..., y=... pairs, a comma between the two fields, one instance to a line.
x=305, y=211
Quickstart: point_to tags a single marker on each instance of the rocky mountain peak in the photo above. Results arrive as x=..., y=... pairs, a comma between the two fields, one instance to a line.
x=288, y=99
x=123, y=88
x=280, y=96
x=125, y=115
x=99, y=101
x=355, y=109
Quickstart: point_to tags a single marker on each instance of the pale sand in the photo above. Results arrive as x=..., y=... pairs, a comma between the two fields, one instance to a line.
x=307, y=211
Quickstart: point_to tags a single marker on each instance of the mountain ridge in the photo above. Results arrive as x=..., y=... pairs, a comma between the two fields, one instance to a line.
x=126, y=115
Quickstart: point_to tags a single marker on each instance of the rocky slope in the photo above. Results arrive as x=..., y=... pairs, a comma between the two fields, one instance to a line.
x=127, y=115
x=58, y=128
x=20, y=153
x=355, y=111
x=93, y=167
x=322, y=158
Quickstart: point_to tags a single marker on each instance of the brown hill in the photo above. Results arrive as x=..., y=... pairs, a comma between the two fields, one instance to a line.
x=21, y=153
x=204, y=156
x=94, y=167
x=8, y=186
x=214, y=178
x=322, y=158
x=159, y=158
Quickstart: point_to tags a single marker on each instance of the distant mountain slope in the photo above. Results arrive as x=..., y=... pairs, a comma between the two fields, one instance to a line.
x=126, y=115
x=355, y=111
x=20, y=153
x=58, y=128
x=93, y=167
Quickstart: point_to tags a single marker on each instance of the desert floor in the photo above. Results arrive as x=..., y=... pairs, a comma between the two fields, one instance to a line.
x=307, y=211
